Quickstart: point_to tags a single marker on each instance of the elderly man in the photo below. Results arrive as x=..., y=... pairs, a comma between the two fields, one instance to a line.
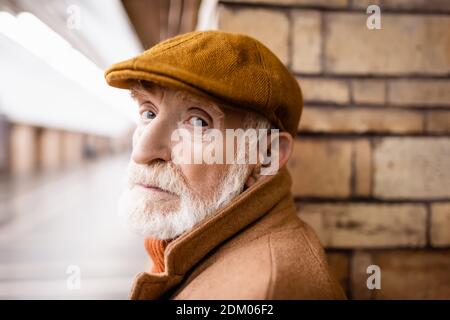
x=222, y=229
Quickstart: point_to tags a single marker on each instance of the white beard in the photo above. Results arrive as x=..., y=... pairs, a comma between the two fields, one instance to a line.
x=145, y=217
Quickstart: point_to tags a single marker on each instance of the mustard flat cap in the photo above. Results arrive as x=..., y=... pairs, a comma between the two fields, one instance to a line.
x=227, y=67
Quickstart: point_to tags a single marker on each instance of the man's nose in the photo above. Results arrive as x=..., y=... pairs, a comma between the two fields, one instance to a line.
x=153, y=143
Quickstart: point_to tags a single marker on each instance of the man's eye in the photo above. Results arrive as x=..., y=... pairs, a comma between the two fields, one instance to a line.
x=148, y=115
x=197, y=122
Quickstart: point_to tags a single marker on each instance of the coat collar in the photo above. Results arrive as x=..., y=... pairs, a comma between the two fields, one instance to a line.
x=183, y=253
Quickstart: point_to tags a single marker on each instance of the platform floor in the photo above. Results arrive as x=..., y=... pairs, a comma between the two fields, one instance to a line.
x=51, y=222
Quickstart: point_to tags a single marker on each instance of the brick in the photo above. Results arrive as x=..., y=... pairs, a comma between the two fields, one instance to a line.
x=438, y=122
x=420, y=93
x=325, y=90
x=418, y=5
x=406, y=44
x=23, y=149
x=405, y=274
x=307, y=41
x=315, y=3
x=321, y=168
x=363, y=4
x=369, y=91
x=360, y=120
x=412, y=168
x=366, y=225
x=271, y=27
x=340, y=265
x=440, y=224
x=358, y=277
x=363, y=168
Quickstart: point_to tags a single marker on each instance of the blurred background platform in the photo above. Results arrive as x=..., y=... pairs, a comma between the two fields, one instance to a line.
x=51, y=222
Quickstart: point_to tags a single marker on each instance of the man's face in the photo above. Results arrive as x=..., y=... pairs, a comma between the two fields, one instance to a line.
x=164, y=199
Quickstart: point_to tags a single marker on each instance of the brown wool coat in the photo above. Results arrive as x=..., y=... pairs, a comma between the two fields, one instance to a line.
x=254, y=248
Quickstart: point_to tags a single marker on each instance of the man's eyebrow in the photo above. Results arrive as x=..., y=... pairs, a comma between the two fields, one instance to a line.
x=137, y=93
x=208, y=105
x=141, y=93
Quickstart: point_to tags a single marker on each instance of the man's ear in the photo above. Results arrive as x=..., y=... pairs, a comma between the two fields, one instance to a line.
x=285, y=147
x=286, y=142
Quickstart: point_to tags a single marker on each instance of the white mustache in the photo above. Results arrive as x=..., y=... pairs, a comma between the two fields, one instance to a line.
x=161, y=175
x=145, y=217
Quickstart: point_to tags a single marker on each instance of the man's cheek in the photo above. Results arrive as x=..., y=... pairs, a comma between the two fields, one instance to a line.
x=202, y=176
x=193, y=174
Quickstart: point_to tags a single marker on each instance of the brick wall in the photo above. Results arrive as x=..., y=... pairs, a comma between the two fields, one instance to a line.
x=371, y=165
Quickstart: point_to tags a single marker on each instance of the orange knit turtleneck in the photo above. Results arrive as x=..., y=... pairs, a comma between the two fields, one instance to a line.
x=155, y=249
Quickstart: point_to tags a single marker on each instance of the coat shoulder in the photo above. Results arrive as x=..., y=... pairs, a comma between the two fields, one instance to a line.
x=299, y=266
x=284, y=263
x=240, y=272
